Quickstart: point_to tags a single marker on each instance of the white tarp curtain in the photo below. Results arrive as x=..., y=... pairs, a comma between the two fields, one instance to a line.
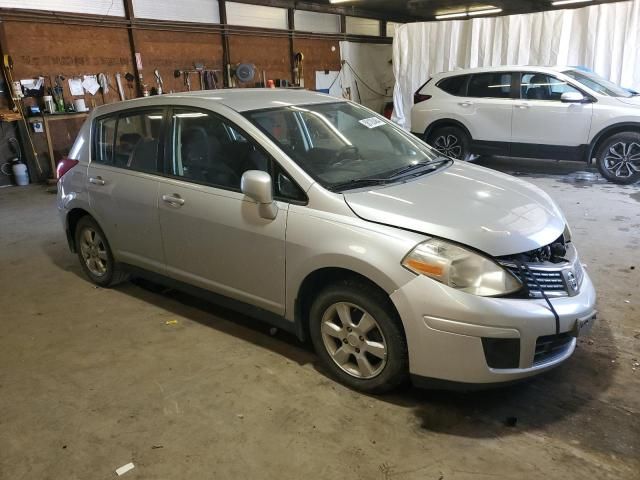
x=604, y=38
x=367, y=77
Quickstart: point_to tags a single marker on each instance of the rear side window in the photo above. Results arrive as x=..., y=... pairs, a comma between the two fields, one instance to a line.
x=130, y=140
x=490, y=85
x=454, y=85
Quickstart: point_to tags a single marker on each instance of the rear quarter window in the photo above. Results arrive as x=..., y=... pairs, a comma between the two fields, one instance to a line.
x=454, y=85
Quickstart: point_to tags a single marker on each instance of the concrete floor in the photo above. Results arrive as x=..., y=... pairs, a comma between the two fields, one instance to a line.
x=91, y=379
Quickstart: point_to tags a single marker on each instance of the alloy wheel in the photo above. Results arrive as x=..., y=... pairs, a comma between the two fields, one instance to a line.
x=448, y=145
x=623, y=159
x=354, y=340
x=94, y=252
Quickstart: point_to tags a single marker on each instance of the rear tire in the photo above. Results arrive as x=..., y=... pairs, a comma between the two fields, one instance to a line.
x=452, y=142
x=618, y=158
x=358, y=337
x=94, y=253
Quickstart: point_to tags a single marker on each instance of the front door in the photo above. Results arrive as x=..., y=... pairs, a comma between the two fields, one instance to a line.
x=213, y=236
x=543, y=125
x=123, y=185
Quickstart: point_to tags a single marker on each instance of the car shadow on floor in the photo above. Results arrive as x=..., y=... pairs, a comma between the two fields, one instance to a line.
x=562, y=400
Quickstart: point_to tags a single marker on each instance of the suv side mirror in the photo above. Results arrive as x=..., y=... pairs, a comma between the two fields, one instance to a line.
x=573, y=97
x=257, y=185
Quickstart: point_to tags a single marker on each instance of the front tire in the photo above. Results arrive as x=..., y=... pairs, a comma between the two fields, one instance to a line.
x=94, y=253
x=358, y=337
x=452, y=142
x=618, y=158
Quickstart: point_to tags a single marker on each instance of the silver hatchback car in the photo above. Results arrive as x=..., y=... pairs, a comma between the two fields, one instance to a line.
x=326, y=220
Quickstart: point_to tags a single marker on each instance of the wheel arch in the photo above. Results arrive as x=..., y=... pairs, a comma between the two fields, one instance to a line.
x=445, y=122
x=316, y=280
x=606, y=132
x=72, y=219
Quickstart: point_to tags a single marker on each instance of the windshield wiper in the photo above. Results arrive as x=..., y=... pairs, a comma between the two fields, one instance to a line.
x=358, y=182
x=417, y=167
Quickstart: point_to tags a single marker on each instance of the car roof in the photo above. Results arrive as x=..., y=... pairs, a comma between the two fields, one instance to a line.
x=238, y=99
x=504, y=68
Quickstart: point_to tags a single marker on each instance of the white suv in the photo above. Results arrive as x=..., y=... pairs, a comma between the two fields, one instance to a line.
x=562, y=113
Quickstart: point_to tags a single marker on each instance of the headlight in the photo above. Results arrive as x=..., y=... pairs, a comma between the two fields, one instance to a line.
x=460, y=268
x=566, y=234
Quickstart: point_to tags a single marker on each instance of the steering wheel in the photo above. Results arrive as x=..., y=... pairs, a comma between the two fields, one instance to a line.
x=348, y=152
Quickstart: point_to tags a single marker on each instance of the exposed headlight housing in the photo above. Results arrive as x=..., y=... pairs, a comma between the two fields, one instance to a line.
x=460, y=268
x=566, y=234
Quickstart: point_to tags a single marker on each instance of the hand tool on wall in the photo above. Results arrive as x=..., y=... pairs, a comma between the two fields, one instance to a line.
x=103, y=81
x=58, y=94
x=187, y=80
x=119, y=84
x=159, y=81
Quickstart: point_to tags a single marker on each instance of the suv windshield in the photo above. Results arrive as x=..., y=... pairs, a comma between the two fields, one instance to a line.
x=343, y=145
x=598, y=84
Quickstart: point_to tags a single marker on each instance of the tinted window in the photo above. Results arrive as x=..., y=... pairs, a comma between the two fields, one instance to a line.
x=454, y=85
x=208, y=150
x=137, y=144
x=490, y=85
x=538, y=86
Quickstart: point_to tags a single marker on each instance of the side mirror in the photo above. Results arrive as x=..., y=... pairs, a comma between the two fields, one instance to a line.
x=573, y=97
x=257, y=185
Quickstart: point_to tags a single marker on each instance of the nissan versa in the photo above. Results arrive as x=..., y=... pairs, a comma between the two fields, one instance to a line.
x=323, y=218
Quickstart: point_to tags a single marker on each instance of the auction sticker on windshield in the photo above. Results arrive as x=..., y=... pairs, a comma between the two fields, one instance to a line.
x=371, y=122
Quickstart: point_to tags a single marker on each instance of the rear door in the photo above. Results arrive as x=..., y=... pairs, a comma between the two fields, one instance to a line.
x=213, y=235
x=543, y=125
x=123, y=184
x=488, y=106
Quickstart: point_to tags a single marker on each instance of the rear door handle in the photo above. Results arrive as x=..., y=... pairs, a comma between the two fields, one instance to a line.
x=173, y=200
x=465, y=104
x=522, y=105
x=96, y=180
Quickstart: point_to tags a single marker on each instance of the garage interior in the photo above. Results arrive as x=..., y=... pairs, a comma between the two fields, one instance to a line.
x=92, y=379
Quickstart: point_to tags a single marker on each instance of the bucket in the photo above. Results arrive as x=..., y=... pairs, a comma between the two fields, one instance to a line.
x=20, y=174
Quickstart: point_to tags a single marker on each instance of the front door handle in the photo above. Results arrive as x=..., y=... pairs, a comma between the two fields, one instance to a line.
x=465, y=104
x=173, y=200
x=96, y=180
x=522, y=105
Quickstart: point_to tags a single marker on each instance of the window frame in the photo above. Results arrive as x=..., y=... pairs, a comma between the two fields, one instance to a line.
x=568, y=82
x=163, y=109
x=226, y=122
x=513, y=94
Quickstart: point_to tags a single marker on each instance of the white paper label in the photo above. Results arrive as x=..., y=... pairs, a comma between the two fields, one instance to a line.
x=372, y=122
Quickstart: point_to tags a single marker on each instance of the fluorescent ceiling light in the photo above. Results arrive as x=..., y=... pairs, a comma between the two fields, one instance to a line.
x=340, y=1
x=487, y=11
x=567, y=2
x=451, y=15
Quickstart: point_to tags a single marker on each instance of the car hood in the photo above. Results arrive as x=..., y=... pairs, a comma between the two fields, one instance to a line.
x=490, y=211
x=631, y=100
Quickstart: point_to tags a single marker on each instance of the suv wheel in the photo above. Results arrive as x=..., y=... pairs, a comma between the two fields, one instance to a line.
x=618, y=158
x=95, y=254
x=358, y=337
x=451, y=142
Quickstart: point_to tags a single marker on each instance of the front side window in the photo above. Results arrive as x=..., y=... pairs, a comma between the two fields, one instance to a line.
x=598, y=84
x=490, y=85
x=538, y=86
x=210, y=151
x=344, y=145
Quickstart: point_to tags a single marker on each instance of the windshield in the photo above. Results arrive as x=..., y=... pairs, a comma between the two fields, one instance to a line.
x=344, y=145
x=598, y=84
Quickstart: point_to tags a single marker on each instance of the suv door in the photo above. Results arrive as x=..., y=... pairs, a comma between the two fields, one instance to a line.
x=213, y=235
x=544, y=126
x=488, y=106
x=123, y=184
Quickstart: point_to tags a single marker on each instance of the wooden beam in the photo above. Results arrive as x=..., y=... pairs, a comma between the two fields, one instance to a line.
x=291, y=24
x=135, y=51
x=222, y=5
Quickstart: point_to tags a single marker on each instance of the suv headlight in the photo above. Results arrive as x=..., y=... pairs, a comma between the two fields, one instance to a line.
x=460, y=268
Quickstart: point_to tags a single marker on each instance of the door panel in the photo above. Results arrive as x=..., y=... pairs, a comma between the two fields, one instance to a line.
x=216, y=239
x=539, y=117
x=488, y=106
x=123, y=190
x=126, y=208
